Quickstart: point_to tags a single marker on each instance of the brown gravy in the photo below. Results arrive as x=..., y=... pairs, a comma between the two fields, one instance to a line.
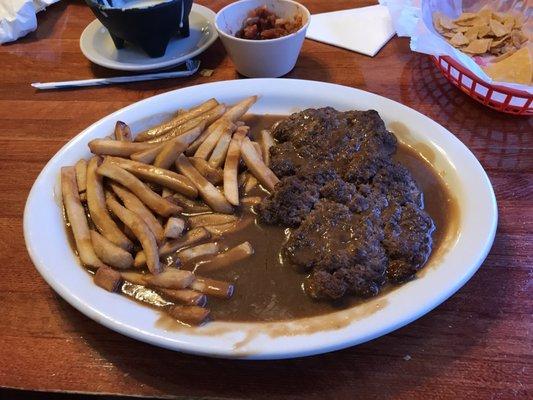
x=267, y=288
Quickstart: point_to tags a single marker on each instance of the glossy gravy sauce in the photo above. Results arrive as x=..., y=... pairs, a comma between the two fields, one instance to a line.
x=267, y=287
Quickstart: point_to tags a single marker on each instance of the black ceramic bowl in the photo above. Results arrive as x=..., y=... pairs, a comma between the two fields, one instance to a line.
x=149, y=28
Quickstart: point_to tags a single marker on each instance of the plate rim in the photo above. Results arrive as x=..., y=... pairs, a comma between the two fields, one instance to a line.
x=118, y=66
x=302, y=350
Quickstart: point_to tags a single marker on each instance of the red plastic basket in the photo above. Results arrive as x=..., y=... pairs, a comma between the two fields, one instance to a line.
x=500, y=98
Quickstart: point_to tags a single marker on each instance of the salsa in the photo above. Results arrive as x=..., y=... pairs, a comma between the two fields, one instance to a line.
x=263, y=24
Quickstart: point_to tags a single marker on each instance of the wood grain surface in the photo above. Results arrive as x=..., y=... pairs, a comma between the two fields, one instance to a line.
x=477, y=345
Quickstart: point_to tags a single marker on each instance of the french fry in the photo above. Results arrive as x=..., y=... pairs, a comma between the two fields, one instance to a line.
x=77, y=219
x=231, y=166
x=110, y=253
x=147, y=196
x=256, y=166
x=242, y=178
x=98, y=210
x=191, y=206
x=159, y=176
x=258, y=150
x=209, y=193
x=213, y=175
x=235, y=112
x=211, y=219
x=266, y=141
x=220, y=230
x=123, y=132
x=174, y=228
x=251, y=200
x=111, y=147
x=184, y=296
x=206, y=249
x=128, y=233
x=134, y=277
x=81, y=175
x=171, y=279
x=222, y=126
x=174, y=147
x=189, y=315
x=178, y=120
x=199, y=140
x=192, y=237
x=219, y=152
x=141, y=231
x=132, y=203
x=148, y=156
x=229, y=257
x=108, y=279
x=251, y=182
x=166, y=192
x=217, y=231
x=232, y=115
x=208, y=118
x=213, y=287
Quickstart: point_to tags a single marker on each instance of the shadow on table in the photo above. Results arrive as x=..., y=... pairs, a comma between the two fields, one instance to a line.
x=306, y=67
x=46, y=22
x=210, y=59
x=17, y=394
x=309, y=67
x=401, y=362
x=484, y=130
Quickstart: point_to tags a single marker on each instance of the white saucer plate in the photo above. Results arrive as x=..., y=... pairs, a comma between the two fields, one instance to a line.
x=51, y=253
x=96, y=44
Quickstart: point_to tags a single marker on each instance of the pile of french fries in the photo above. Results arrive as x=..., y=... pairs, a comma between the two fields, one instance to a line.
x=173, y=190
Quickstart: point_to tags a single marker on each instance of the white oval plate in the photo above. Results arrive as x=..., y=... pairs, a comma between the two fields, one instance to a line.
x=50, y=251
x=97, y=45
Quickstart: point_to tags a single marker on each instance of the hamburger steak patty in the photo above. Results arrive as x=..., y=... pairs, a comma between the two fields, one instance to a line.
x=358, y=216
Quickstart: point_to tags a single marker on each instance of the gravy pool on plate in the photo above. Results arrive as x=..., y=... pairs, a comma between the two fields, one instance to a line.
x=372, y=219
x=277, y=291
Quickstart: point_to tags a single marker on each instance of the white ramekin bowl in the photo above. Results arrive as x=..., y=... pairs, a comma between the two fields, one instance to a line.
x=261, y=58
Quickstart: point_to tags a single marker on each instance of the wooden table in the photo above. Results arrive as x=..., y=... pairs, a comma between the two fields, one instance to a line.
x=476, y=345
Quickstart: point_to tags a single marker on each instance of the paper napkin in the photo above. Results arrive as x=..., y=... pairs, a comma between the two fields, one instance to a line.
x=17, y=17
x=364, y=30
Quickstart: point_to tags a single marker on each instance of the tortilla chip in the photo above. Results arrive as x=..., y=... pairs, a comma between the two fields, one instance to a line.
x=481, y=20
x=485, y=13
x=517, y=38
x=459, y=39
x=509, y=24
x=478, y=46
x=465, y=23
x=447, y=22
x=516, y=68
x=518, y=21
x=437, y=25
x=448, y=34
x=503, y=56
x=499, y=42
x=465, y=16
x=483, y=31
x=500, y=17
x=472, y=32
x=498, y=29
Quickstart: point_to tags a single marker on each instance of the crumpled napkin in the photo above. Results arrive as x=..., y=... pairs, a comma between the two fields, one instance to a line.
x=18, y=17
x=413, y=18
